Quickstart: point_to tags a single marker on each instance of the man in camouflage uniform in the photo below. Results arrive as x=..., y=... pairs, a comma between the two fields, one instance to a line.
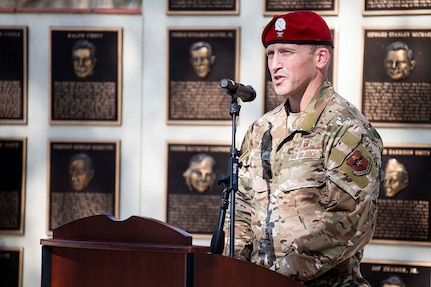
x=310, y=168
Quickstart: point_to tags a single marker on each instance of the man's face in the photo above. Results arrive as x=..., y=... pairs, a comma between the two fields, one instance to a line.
x=397, y=64
x=392, y=183
x=83, y=64
x=291, y=67
x=79, y=176
x=202, y=176
x=201, y=62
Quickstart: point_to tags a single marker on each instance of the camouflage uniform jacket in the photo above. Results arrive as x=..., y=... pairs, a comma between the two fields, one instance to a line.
x=306, y=204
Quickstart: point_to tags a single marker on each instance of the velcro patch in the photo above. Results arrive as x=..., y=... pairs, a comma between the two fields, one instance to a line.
x=359, y=163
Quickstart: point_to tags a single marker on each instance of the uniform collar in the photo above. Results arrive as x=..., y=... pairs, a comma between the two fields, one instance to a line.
x=309, y=117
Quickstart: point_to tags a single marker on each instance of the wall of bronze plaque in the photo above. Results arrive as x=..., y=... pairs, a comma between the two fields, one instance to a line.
x=202, y=7
x=11, y=265
x=199, y=59
x=193, y=192
x=13, y=75
x=13, y=162
x=86, y=76
x=387, y=273
x=395, y=7
x=396, y=81
x=79, y=5
x=323, y=7
x=404, y=200
x=83, y=180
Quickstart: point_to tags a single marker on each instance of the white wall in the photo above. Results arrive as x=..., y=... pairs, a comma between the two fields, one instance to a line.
x=144, y=133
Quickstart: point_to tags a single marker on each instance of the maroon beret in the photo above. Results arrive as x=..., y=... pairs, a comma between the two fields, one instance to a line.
x=299, y=27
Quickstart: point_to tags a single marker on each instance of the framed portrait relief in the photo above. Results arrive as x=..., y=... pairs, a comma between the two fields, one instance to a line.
x=396, y=82
x=198, y=59
x=395, y=7
x=323, y=7
x=271, y=100
x=193, y=190
x=86, y=76
x=405, y=200
x=202, y=7
x=83, y=180
x=13, y=74
x=13, y=166
x=11, y=262
x=388, y=273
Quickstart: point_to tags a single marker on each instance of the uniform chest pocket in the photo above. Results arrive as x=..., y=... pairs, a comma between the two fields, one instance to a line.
x=301, y=169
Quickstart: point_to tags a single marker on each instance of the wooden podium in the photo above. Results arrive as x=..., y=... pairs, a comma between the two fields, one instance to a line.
x=102, y=251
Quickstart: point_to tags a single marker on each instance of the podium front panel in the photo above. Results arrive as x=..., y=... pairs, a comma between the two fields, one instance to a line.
x=71, y=267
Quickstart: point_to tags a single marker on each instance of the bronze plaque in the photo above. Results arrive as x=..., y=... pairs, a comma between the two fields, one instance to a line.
x=13, y=160
x=387, y=273
x=404, y=200
x=396, y=86
x=323, y=7
x=83, y=180
x=198, y=60
x=11, y=262
x=117, y=6
x=13, y=75
x=202, y=7
x=86, y=76
x=395, y=7
x=193, y=192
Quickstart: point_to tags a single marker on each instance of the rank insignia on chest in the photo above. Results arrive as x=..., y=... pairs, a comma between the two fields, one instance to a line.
x=359, y=163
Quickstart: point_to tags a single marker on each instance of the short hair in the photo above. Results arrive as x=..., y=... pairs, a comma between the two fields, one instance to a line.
x=88, y=163
x=198, y=158
x=202, y=44
x=398, y=45
x=85, y=44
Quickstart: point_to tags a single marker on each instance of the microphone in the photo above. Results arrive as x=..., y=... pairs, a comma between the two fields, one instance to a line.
x=245, y=93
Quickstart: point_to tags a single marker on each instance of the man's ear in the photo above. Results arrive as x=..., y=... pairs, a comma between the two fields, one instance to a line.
x=323, y=57
x=412, y=65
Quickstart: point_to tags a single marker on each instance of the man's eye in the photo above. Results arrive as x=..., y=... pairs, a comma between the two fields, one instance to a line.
x=270, y=53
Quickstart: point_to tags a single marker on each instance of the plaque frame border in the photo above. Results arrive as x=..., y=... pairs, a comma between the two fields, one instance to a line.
x=20, y=230
x=328, y=12
x=385, y=124
x=389, y=12
x=59, y=10
x=220, y=166
x=119, y=75
x=202, y=12
x=221, y=122
x=117, y=159
x=400, y=241
x=20, y=251
x=404, y=263
x=24, y=92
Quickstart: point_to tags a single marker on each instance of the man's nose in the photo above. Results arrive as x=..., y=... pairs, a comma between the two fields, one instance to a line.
x=205, y=176
x=274, y=63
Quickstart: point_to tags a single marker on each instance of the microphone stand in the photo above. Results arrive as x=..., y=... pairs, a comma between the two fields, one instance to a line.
x=231, y=186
